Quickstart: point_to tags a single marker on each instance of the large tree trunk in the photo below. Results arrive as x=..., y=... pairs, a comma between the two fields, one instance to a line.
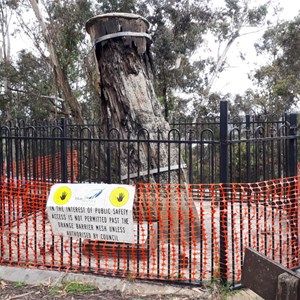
x=72, y=105
x=125, y=79
x=5, y=48
x=128, y=99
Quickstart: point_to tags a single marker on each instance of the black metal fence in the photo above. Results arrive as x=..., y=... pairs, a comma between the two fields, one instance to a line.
x=243, y=149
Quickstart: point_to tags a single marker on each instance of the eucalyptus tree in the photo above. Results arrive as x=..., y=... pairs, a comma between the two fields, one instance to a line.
x=128, y=98
x=6, y=13
x=55, y=31
x=62, y=33
x=278, y=82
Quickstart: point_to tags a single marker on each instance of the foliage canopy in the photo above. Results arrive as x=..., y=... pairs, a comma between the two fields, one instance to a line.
x=184, y=73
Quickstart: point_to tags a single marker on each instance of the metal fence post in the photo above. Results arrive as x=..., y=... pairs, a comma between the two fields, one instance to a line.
x=291, y=172
x=63, y=150
x=292, y=159
x=223, y=194
x=190, y=158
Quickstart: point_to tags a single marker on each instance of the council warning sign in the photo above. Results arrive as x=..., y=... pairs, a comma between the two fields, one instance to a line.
x=92, y=211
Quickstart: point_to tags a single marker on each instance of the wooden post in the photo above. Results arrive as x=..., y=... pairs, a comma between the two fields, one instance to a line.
x=287, y=287
x=269, y=279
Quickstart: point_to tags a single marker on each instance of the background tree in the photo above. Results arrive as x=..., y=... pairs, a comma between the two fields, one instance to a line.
x=59, y=44
x=29, y=77
x=105, y=6
x=185, y=73
x=227, y=26
x=62, y=38
x=6, y=8
x=229, y=22
x=278, y=82
x=178, y=28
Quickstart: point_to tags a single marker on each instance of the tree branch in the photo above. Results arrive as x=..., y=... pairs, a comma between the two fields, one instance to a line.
x=73, y=106
x=52, y=99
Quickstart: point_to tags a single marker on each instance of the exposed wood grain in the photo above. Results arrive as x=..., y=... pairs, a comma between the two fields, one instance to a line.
x=129, y=100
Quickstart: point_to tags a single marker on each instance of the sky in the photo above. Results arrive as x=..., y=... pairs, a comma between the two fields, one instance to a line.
x=235, y=79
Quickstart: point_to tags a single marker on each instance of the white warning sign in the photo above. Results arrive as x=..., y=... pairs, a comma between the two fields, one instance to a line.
x=92, y=211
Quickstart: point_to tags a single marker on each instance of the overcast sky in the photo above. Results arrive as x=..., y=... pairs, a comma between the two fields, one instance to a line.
x=235, y=79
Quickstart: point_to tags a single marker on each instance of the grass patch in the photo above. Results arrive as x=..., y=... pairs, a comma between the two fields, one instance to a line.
x=19, y=284
x=219, y=291
x=54, y=291
x=77, y=287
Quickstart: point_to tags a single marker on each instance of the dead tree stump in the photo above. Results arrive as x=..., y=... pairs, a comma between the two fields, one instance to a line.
x=125, y=79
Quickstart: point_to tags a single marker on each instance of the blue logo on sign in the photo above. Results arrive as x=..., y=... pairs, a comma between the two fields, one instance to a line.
x=97, y=194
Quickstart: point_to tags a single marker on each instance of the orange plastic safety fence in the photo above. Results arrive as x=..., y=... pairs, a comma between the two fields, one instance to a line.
x=178, y=229
x=45, y=167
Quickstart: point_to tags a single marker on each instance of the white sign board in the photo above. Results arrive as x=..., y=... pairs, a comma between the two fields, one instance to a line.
x=92, y=211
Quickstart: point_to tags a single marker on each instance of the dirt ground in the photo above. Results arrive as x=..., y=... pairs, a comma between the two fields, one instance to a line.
x=69, y=291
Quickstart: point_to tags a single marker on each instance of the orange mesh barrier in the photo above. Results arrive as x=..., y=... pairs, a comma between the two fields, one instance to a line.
x=178, y=230
x=45, y=167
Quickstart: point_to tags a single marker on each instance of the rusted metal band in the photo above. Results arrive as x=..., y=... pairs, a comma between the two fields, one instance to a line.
x=117, y=16
x=122, y=34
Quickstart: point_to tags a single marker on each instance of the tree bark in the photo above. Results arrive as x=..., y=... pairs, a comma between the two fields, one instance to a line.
x=5, y=51
x=126, y=90
x=128, y=99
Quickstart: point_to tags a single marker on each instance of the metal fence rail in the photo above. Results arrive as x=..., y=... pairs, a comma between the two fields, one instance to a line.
x=240, y=174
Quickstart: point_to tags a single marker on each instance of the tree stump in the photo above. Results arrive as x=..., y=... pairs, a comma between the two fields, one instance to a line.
x=127, y=96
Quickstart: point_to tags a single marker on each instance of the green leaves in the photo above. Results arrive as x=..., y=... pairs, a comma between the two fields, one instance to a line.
x=29, y=80
x=106, y=6
x=278, y=81
x=179, y=28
